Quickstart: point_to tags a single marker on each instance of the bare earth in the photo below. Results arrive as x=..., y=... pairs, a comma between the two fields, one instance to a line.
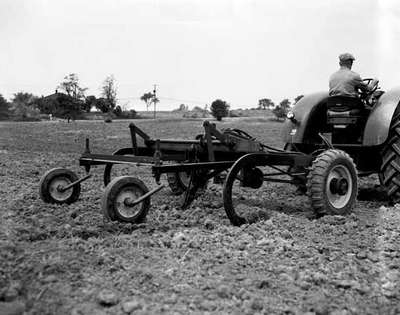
x=69, y=260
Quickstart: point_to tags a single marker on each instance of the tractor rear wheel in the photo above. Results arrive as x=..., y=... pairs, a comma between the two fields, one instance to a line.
x=389, y=176
x=332, y=183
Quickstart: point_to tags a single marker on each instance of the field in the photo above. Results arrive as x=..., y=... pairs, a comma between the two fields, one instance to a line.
x=70, y=260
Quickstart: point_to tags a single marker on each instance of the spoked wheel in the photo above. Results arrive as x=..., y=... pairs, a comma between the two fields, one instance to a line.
x=112, y=171
x=332, y=183
x=52, y=186
x=238, y=193
x=120, y=200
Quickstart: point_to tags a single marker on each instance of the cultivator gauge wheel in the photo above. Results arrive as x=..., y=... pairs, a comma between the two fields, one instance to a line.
x=389, y=176
x=332, y=183
x=52, y=184
x=119, y=201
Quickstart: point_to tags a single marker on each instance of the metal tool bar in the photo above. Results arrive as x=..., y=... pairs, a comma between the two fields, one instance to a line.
x=146, y=195
x=192, y=166
x=62, y=189
x=97, y=159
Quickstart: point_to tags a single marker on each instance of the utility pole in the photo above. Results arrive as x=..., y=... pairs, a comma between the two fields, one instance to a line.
x=154, y=99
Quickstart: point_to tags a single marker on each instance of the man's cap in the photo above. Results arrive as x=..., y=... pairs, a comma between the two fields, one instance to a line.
x=346, y=56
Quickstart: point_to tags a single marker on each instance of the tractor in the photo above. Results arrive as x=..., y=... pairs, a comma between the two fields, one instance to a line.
x=364, y=131
x=330, y=141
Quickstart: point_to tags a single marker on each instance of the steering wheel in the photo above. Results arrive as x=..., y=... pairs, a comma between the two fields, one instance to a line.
x=373, y=88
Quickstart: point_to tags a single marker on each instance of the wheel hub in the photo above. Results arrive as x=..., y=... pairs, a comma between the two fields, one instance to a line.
x=60, y=188
x=56, y=188
x=125, y=201
x=339, y=186
x=128, y=202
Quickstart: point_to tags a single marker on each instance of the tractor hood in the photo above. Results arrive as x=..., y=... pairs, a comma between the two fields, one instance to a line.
x=378, y=123
x=293, y=132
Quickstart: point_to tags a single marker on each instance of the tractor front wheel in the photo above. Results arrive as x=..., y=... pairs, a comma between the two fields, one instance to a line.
x=332, y=183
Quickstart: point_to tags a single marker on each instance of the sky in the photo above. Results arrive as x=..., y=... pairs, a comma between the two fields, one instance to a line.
x=195, y=51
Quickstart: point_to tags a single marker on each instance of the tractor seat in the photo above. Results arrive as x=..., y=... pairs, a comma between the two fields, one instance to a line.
x=339, y=103
x=347, y=113
x=344, y=110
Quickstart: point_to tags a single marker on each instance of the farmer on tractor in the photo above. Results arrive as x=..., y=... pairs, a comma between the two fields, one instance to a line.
x=344, y=81
x=347, y=83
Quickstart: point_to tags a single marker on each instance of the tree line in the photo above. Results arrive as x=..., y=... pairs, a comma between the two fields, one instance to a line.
x=68, y=101
x=280, y=110
x=220, y=108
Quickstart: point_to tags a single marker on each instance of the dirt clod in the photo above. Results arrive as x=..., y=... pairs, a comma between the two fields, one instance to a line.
x=131, y=306
x=87, y=309
x=12, y=308
x=107, y=297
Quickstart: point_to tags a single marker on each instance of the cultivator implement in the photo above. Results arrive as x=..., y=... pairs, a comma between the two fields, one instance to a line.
x=231, y=156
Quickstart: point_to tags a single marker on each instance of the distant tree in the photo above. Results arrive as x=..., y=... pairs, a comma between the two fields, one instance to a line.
x=219, y=109
x=68, y=107
x=265, y=103
x=4, y=108
x=24, y=106
x=90, y=101
x=28, y=99
x=132, y=114
x=103, y=105
x=47, y=105
x=117, y=111
x=127, y=114
x=281, y=110
x=71, y=87
x=147, y=98
x=182, y=107
x=109, y=91
x=297, y=98
x=285, y=104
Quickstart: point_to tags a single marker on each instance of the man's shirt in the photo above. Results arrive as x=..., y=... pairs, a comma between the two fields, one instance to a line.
x=345, y=82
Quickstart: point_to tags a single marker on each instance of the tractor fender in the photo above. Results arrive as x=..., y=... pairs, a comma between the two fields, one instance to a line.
x=378, y=124
x=294, y=132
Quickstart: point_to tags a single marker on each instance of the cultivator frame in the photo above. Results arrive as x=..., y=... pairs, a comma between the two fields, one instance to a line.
x=202, y=159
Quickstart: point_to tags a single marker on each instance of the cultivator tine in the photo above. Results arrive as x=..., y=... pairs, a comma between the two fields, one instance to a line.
x=132, y=128
x=210, y=149
x=196, y=182
x=190, y=193
x=87, y=146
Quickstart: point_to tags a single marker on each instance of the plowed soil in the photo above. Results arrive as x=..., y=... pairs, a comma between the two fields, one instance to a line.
x=70, y=260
